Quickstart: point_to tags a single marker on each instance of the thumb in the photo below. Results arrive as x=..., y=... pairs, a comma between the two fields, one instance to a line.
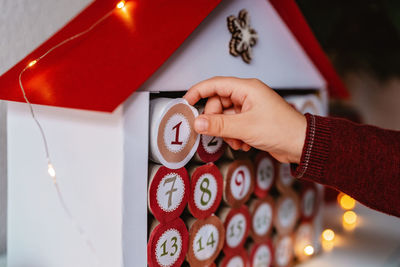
x=220, y=125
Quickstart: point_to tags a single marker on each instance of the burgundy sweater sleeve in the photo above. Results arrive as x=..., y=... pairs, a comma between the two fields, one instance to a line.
x=360, y=160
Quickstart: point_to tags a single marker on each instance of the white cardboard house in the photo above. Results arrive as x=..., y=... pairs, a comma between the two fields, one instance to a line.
x=101, y=157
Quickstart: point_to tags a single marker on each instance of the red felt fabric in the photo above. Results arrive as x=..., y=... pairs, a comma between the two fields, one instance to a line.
x=294, y=19
x=99, y=70
x=360, y=160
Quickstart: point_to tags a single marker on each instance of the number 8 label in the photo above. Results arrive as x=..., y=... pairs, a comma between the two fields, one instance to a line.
x=206, y=190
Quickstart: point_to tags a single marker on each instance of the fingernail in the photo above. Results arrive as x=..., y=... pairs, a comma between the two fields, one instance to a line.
x=201, y=124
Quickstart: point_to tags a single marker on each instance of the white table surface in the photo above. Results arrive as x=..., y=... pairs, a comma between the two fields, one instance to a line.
x=374, y=242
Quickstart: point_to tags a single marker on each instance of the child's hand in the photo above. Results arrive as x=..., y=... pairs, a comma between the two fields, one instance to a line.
x=246, y=112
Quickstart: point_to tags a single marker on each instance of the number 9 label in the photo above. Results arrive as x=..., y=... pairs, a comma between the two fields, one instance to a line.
x=240, y=183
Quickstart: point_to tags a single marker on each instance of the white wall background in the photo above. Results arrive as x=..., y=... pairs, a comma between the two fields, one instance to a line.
x=25, y=24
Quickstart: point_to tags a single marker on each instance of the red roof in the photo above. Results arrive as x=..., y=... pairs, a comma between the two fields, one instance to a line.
x=101, y=70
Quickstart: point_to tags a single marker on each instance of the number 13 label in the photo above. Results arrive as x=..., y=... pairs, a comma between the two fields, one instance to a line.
x=169, y=247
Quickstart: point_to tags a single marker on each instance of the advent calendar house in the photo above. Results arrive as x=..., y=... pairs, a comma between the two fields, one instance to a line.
x=92, y=97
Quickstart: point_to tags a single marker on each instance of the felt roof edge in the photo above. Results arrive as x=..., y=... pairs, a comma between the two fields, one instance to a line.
x=125, y=49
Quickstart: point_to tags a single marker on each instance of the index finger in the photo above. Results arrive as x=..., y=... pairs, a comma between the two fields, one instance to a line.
x=231, y=87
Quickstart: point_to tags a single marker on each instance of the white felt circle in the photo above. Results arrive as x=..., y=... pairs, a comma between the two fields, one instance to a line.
x=236, y=261
x=262, y=219
x=265, y=173
x=169, y=247
x=262, y=256
x=287, y=212
x=170, y=192
x=285, y=174
x=240, y=182
x=205, y=191
x=177, y=132
x=205, y=242
x=308, y=202
x=211, y=144
x=283, y=251
x=236, y=230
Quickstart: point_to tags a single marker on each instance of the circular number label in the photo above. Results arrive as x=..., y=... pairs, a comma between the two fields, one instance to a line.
x=205, y=191
x=240, y=182
x=265, y=173
x=176, y=133
x=287, y=212
x=211, y=144
x=308, y=203
x=206, y=241
x=284, y=251
x=236, y=261
x=170, y=192
x=169, y=247
x=285, y=175
x=262, y=219
x=262, y=256
x=168, y=244
x=236, y=230
x=176, y=140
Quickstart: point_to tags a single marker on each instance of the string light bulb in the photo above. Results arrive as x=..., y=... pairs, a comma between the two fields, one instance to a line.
x=51, y=170
x=328, y=235
x=121, y=4
x=309, y=250
x=347, y=202
x=32, y=63
x=350, y=217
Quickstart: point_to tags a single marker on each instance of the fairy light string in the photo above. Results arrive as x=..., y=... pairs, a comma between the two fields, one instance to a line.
x=50, y=167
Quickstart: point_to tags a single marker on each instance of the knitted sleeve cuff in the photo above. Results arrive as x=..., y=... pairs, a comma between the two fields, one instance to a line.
x=315, y=150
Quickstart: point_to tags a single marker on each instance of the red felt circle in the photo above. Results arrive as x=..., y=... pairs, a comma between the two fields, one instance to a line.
x=256, y=246
x=242, y=254
x=212, y=169
x=258, y=191
x=155, y=235
x=242, y=210
x=305, y=187
x=160, y=214
x=205, y=156
x=267, y=200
